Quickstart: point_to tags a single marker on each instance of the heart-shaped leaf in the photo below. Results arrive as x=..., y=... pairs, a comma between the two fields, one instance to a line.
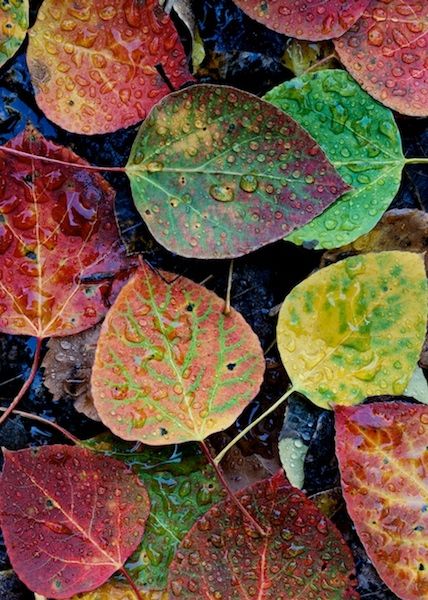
x=170, y=367
x=94, y=64
x=303, y=553
x=356, y=328
x=216, y=172
x=382, y=451
x=181, y=487
x=359, y=137
x=386, y=53
x=57, y=230
x=321, y=20
x=13, y=27
x=70, y=518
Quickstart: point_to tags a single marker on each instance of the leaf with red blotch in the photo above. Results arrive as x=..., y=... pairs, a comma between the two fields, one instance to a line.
x=170, y=367
x=94, y=64
x=386, y=50
x=302, y=556
x=70, y=517
x=60, y=248
x=383, y=459
x=324, y=20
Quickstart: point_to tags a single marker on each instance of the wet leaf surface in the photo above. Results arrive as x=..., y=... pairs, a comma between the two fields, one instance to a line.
x=322, y=20
x=301, y=55
x=81, y=517
x=355, y=329
x=13, y=27
x=93, y=65
x=170, y=367
x=359, y=137
x=303, y=547
x=385, y=51
x=181, y=487
x=118, y=591
x=382, y=454
x=216, y=172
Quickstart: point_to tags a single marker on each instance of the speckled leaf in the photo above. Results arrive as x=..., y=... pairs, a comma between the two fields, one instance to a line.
x=360, y=138
x=79, y=519
x=216, y=172
x=57, y=231
x=355, y=329
x=386, y=52
x=383, y=455
x=14, y=17
x=170, y=367
x=114, y=590
x=320, y=20
x=181, y=487
x=93, y=63
x=302, y=556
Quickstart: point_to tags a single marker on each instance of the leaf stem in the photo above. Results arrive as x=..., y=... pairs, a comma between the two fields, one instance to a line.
x=416, y=161
x=27, y=383
x=226, y=310
x=131, y=582
x=319, y=63
x=64, y=432
x=60, y=162
x=244, y=432
x=228, y=489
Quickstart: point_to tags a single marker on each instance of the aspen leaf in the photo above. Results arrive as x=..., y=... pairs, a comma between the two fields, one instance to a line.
x=14, y=23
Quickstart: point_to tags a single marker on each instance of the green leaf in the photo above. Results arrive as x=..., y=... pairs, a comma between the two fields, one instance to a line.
x=14, y=21
x=355, y=329
x=181, y=487
x=216, y=172
x=360, y=138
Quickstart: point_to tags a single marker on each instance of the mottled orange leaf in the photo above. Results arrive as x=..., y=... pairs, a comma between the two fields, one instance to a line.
x=170, y=367
x=383, y=458
x=93, y=63
x=386, y=52
x=57, y=229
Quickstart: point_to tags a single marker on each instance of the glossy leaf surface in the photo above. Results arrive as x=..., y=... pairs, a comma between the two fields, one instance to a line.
x=216, y=172
x=79, y=519
x=170, y=367
x=14, y=19
x=223, y=558
x=114, y=590
x=181, y=487
x=93, y=64
x=57, y=229
x=321, y=20
x=382, y=451
x=356, y=328
x=386, y=52
x=360, y=138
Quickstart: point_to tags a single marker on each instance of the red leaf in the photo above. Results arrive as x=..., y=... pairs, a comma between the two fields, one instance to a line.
x=321, y=20
x=383, y=458
x=386, y=52
x=57, y=226
x=303, y=556
x=70, y=517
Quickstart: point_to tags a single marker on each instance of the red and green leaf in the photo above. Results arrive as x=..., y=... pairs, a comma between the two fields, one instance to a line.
x=383, y=458
x=70, y=518
x=94, y=64
x=14, y=19
x=386, y=52
x=170, y=367
x=302, y=556
x=57, y=230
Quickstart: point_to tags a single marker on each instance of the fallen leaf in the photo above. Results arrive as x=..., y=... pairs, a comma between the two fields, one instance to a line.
x=113, y=590
x=93, y=65
x=382, y=451
x=322, y=20
x=385, y=51
x=184, y=10
x=60, y=249
x=242, y=471
x=303, y=553
x=417, y=387
x=355, y=329
x=216, y=172
x=359, y=137
x=14, y=21
x=170, y=367
x=301, y=55
x=80, y=518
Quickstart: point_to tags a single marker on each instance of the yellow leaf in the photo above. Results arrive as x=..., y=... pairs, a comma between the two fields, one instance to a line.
x=355, y=329
x=114, y=590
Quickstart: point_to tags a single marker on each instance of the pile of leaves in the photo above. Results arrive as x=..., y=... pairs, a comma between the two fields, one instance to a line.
x=184, y=494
